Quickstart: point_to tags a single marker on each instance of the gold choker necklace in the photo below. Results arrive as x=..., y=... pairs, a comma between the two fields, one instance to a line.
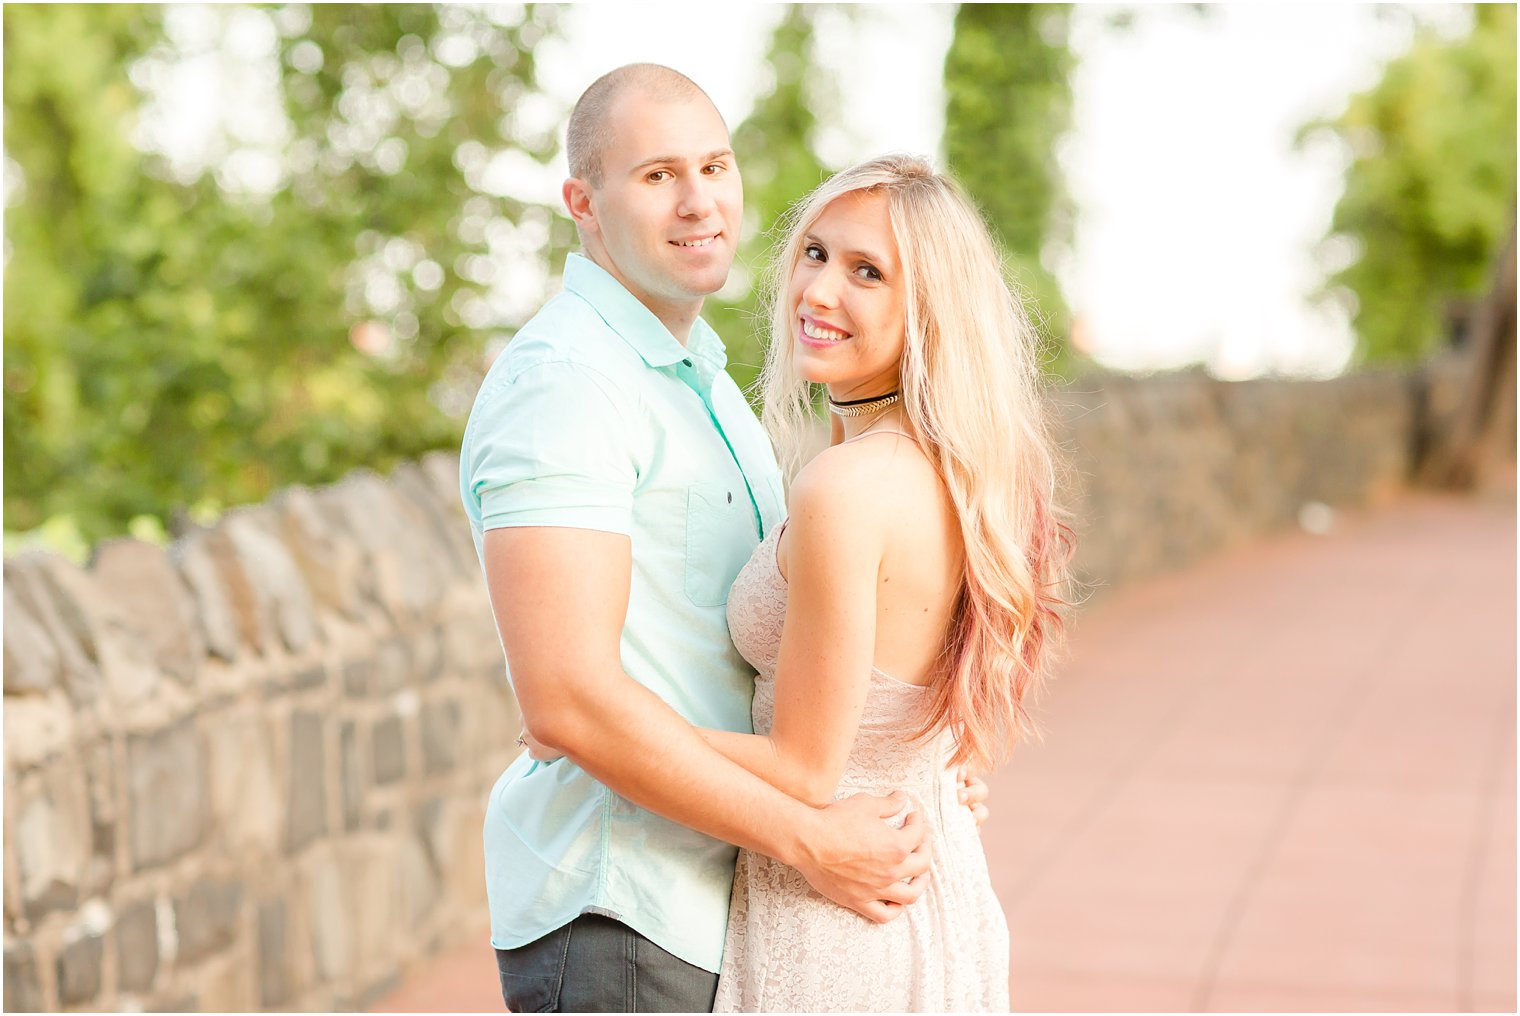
x=864, y=407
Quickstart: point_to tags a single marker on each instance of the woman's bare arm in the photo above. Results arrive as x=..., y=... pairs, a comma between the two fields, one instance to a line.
x=835, y=536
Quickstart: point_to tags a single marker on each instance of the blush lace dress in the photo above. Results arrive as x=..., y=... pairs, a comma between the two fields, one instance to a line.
x=789, y=949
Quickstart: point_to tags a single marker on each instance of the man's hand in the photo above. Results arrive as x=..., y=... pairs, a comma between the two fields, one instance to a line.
x=973, y=794
x=856, y=859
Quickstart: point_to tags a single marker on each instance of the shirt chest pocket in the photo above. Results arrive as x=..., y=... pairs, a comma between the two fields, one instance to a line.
x=720, y=536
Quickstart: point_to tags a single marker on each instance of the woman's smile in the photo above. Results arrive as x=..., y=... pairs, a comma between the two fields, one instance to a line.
x=819, y=335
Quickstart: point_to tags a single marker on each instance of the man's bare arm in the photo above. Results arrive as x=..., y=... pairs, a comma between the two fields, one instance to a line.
x=560, y=597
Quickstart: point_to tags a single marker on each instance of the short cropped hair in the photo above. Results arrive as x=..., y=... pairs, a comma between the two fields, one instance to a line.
x=586, y=137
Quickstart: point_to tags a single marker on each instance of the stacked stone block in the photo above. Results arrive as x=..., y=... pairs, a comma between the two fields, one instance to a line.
x=248, y=771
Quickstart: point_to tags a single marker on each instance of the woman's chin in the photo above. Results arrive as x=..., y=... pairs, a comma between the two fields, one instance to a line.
x=806, y=367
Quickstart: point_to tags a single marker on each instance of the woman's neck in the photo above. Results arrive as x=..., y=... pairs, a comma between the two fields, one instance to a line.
x=887, y=419
x=858, y=397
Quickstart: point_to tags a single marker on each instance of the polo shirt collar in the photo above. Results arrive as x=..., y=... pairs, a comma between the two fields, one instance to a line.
x=635, y=322
x=704, y=344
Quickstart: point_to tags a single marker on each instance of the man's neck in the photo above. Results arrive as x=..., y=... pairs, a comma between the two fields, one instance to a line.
x=677, y=316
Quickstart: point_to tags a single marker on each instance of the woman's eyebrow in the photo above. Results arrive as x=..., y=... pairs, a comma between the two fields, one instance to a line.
x=864, y=256
x=867, y=255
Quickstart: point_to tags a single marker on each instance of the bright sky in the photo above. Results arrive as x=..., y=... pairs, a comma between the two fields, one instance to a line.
x=1198, y=220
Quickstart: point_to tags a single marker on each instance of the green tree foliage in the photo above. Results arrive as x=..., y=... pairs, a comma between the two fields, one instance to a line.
x=1008, y=101
x=1431, y=189
x=774, y=145
x=172, y=343
x=69, y=176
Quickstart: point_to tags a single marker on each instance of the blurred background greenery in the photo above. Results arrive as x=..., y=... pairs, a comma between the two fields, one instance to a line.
x=179, y=340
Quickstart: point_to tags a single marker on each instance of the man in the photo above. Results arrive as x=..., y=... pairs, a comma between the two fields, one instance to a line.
x=616, y=481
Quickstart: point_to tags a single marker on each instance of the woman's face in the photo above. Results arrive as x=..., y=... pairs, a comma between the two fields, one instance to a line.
x=847, y=298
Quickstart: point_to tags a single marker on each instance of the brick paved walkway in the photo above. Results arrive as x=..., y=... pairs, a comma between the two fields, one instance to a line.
x=1281, y=780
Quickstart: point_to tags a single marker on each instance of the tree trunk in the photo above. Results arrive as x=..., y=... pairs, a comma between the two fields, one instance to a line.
x=1482, y=434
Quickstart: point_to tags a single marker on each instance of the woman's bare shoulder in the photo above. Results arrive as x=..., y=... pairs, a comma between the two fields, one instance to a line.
x=874, y=473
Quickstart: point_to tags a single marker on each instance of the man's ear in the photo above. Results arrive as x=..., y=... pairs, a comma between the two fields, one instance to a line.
x=577, y=197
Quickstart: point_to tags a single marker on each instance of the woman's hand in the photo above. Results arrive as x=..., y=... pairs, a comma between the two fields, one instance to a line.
x=538, y=751
x=973, y=794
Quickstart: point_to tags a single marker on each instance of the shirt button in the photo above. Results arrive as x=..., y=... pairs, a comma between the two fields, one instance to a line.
x=730, y=497
x=687, y=362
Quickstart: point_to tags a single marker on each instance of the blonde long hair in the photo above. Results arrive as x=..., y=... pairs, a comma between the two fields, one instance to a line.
x=972, y=392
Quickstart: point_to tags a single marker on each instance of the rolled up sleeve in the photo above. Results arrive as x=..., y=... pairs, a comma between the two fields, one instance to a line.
x=551, y=447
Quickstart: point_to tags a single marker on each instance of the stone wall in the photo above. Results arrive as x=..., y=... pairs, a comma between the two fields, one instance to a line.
x=249, y=771
x=1170, y=467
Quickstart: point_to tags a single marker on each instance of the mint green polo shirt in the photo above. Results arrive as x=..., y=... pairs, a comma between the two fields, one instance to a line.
x=595, y=417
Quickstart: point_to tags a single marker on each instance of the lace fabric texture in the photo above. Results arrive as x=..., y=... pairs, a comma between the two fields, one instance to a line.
x=790, y=949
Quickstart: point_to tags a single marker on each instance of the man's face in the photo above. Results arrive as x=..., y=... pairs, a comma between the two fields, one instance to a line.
x=668, y=209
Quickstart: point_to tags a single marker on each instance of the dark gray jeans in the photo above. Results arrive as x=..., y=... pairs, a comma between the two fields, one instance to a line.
x=596, y=964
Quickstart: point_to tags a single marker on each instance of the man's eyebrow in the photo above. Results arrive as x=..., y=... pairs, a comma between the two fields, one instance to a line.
x=863, y=255
x=709, y=157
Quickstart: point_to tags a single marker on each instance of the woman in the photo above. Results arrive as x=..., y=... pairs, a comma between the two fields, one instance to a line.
x=902, y=617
